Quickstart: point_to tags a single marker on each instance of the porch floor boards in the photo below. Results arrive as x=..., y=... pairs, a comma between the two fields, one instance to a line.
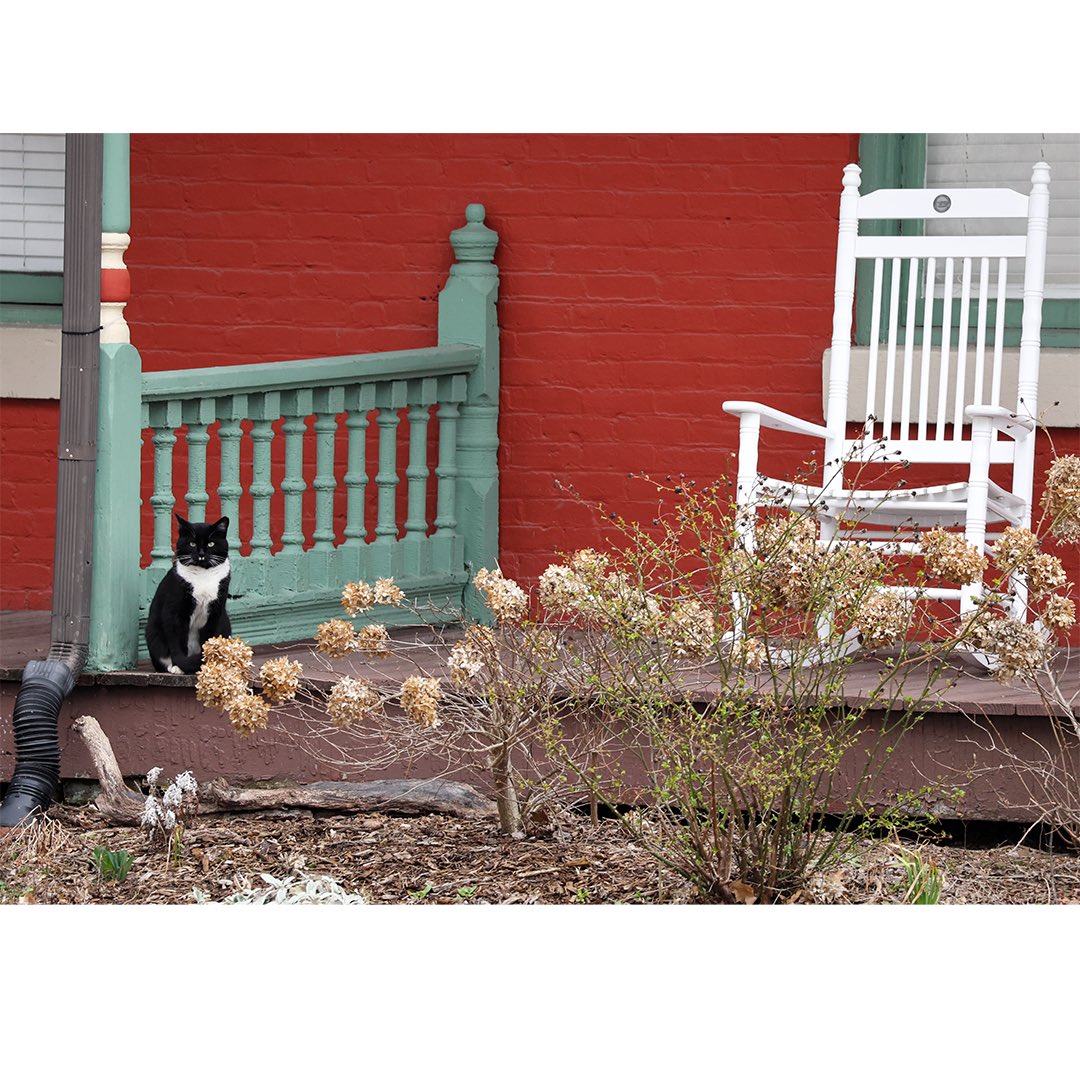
x=24, y=636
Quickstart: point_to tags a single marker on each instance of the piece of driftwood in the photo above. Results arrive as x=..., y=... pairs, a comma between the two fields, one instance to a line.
x=121, y=805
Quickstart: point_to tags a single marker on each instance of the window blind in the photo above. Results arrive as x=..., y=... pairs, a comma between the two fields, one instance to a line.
x=32, y=203
x=1006, y=161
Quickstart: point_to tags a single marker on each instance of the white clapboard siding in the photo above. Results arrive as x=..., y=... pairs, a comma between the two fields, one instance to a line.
x=32, y=203
x=1005, y=161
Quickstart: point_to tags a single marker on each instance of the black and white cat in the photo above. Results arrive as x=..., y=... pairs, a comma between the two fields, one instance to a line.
x=189, y=605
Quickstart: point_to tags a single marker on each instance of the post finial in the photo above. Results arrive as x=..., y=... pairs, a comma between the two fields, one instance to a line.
x=852, y=175
x=474, y=242
x=1040, y=173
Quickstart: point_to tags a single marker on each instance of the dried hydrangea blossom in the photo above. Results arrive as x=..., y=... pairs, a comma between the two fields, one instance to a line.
x=629, y=605
x=1059, y=613
x=386, y=592
x=335, y=638
x=230, y=652
x=373, y=640
x=1061, y=498
x=690, y=631
x=1019, y=647
x=357, y=597
x=352, y=701
x=1015, y=548
x=280, y=679
x=950, y=557
x=218, y=684
x=882, y=618
x=750, y=653
x=505, y=598
x=563, y=591
x=420, y=700
x=1045, y=573
x=788, y=550
x=588, y=562
x=540, y=644
x=249, y=713
x=470, y=654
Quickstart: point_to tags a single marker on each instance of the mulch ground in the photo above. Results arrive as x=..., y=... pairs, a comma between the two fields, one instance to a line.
x=442, y=860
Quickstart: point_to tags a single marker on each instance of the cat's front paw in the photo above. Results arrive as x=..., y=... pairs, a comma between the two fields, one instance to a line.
x=172, y=669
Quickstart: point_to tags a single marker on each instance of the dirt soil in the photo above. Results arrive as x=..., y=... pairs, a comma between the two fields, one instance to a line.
x=443, y=860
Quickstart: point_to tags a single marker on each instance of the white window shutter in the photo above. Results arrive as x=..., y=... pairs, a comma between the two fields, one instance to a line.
x=1006, y=161
x=32, y=203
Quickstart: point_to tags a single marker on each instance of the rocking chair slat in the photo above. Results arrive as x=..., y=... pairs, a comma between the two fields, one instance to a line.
x=999, y=332
x=909, y=347
x=875, y=339
x=980, y=339
x=946, y=339
x=890, y=358
x=927, y=339
x=961, y=352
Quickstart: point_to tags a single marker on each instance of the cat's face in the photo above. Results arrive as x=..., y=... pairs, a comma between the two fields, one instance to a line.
x=202, y=544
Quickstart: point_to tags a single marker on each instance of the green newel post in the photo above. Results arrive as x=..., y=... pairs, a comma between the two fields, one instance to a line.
x=114, y=602
x=467, y=316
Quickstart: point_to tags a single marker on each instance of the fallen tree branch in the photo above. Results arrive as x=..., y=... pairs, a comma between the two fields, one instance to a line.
x=121, y=805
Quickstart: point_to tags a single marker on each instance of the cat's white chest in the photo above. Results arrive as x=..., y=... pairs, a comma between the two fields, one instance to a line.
x=205, y=585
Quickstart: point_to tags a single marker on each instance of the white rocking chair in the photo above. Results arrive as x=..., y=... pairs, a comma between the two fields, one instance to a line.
x=930, y=404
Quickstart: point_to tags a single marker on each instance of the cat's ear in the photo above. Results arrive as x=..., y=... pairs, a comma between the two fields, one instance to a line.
x=185, y=525
x=221, y=525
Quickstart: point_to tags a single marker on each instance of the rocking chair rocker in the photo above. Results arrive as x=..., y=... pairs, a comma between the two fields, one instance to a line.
x=926, y=402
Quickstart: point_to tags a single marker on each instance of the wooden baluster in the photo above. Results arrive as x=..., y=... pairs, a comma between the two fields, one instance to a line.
x=417, y=474
x=231, y=411
x=165, y=418
x=199, y=416
x=296, y=405
x=445, y=542
x=391, y=398
x=360, y=401
x=264, y=409
x=328, y=403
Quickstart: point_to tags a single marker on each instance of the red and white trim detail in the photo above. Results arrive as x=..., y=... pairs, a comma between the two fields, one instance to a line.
x=115, y=289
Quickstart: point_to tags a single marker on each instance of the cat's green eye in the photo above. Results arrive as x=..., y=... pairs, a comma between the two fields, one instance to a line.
x=210, y=544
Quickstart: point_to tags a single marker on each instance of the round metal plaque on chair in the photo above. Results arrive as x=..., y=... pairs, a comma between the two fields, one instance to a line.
x=942, y=203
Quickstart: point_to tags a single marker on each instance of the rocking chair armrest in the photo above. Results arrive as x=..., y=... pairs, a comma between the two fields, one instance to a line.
x=774, y=418
x=1001, y=419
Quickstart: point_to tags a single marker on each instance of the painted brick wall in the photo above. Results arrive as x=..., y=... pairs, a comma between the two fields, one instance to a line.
x=644, y=280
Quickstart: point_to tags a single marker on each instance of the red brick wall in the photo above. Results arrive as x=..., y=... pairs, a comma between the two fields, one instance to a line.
x=644, y=279
x=28, y=437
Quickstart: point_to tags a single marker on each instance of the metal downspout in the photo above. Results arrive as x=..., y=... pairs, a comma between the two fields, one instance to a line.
x=45, y=683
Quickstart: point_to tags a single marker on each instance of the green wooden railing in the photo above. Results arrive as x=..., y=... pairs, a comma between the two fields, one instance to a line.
x=285, y=584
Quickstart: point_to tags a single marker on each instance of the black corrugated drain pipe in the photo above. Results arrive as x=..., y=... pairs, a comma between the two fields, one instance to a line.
x=46, y=683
